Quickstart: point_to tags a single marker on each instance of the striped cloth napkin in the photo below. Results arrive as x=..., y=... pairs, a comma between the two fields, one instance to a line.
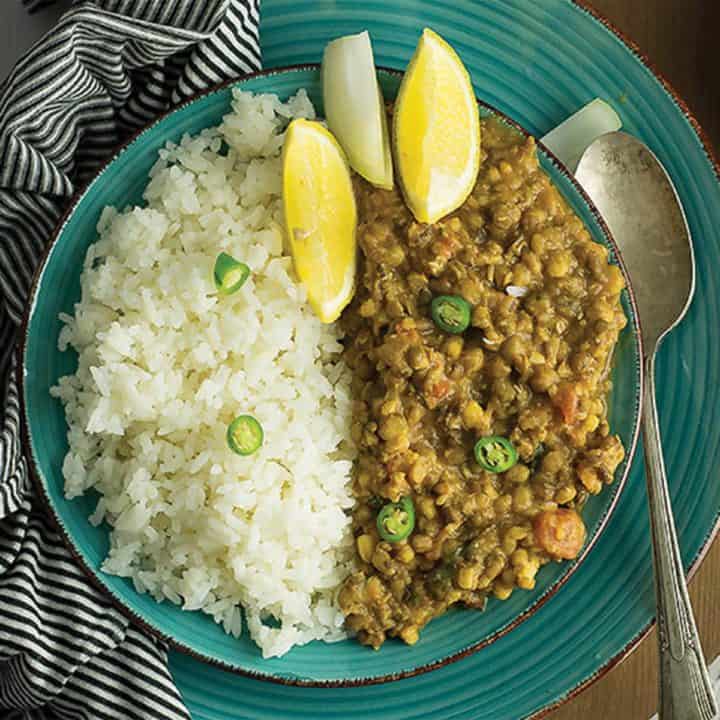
x=107, y=68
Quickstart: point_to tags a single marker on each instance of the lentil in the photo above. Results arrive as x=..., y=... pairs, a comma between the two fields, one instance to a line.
x=531, y=368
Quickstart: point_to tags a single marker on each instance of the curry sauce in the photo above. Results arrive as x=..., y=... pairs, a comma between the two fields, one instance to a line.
x=533, y=367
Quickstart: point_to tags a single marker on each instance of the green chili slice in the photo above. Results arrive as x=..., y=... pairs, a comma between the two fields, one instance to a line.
x=244, y=435
x=451, y=313
x=495, y=454
x=396, y=520
x=229, y=274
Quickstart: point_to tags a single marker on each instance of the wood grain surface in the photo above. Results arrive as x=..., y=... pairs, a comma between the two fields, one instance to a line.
x=680, y=38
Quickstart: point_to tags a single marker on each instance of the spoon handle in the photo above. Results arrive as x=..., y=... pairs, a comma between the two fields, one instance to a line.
x=685, y=688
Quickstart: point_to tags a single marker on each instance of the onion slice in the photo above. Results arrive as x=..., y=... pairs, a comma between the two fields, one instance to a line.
x=355, y=109
x=569, y=140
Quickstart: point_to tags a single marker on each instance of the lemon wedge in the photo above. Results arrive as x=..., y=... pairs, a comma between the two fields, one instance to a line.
x=354, y=107
x=436, y=130
x=320, y=216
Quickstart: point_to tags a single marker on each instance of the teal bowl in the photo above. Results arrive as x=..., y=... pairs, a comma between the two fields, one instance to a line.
x=57, y=287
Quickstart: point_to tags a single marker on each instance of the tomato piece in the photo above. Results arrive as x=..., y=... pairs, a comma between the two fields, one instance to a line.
x=406, y=327
x=436, y=390
x=566, y=400
x=440, y=389
x=446, y=246
x=560, y=532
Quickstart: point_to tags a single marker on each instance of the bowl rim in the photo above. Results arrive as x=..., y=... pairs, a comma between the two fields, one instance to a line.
x=94, y=577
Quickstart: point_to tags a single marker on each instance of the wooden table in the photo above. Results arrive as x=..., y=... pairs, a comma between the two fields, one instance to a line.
x=678, y=37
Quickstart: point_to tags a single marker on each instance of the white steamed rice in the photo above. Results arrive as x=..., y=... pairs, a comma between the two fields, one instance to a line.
x=165, y=365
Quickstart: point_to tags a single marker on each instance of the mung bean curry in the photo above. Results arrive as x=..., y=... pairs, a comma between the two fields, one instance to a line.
x=481, y=348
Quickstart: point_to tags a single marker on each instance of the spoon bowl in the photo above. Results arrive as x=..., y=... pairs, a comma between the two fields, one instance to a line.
x=638, y=201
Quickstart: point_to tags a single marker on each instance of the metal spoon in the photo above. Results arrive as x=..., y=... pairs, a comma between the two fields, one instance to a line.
x=640, y=205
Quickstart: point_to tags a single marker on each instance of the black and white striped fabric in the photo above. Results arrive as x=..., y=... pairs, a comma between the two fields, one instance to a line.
x=106, y=69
